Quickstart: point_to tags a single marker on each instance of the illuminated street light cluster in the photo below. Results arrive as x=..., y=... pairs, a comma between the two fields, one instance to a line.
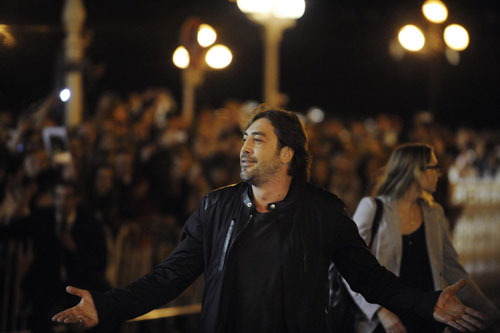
x=455, y=36
x=217, y=57
x=193, y=56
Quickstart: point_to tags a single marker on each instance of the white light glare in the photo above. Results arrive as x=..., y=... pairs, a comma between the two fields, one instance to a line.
x=65, y=95
x=456, y=37
x=435, y=11
x=181, y=57
x=255, y=6
x=315, y=115
x=293, y=9
x=218, y=56
x=411, y=38
x=287, y=9
x=206, y=35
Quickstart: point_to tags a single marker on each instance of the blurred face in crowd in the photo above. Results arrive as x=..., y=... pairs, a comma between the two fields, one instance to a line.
x=64, y=199
x=77, y=147
x=259, y=155
x=69, y=171
x=35, y=162
x=135, y=102
x=321, y=172
x=120, y=113
x=103, y=181
x=430, y=175
x=124, y=165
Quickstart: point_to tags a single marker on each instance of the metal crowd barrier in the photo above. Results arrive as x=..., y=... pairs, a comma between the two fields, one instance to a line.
x=15, y=259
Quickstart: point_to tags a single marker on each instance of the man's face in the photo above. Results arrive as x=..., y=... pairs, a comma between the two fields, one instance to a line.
x=259, y=156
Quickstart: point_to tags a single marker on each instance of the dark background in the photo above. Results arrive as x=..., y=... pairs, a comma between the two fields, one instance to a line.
x=336, y=57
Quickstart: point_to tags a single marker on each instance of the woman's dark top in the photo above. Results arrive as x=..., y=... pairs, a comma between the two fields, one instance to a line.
x=416, y=272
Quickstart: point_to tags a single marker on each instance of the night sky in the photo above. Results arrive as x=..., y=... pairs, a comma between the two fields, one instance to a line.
x=336, y=57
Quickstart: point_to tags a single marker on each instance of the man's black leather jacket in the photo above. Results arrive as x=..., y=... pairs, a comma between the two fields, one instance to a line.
x=314, y=229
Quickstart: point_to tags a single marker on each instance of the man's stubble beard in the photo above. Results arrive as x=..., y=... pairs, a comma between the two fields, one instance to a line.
x=261, y=176
x=252, y=179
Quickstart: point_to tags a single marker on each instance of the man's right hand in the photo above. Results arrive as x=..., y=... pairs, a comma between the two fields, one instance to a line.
x=390, y=321
x=84, y=312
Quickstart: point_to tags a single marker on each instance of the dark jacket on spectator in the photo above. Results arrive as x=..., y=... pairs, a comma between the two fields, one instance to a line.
x=314, y=230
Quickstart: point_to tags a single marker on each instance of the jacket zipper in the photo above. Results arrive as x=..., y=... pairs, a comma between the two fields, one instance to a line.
x=226, y=245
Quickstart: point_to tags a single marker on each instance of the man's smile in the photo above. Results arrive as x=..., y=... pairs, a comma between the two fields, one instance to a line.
x=246, y=162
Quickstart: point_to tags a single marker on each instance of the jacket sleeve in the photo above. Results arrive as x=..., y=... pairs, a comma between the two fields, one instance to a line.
x=453, y=271
x=163, y=284
x=363, y=217
x=366, y=276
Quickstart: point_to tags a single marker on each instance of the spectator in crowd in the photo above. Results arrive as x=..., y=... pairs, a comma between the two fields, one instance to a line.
x=103, y=198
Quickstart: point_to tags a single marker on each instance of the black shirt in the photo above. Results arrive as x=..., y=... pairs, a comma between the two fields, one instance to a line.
x=257, y=299
x=415, y=265
x=416, y=272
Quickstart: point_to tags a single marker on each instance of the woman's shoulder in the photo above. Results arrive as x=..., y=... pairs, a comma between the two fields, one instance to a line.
x=434, y=209
x=432, y=205
x=369, y=201
x=365, y=209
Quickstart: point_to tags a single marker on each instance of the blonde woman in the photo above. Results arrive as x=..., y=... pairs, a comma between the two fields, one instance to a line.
x=413, y=241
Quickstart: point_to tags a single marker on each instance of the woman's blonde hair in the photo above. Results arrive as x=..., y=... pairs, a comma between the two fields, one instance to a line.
x=403, y=169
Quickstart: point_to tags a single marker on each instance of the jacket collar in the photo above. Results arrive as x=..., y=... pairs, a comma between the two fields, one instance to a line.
x=289, y=200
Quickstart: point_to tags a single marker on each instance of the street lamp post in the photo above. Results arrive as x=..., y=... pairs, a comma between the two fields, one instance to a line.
x=193, y=57
x=73, y=18
x=455, y=38
x=275, y=17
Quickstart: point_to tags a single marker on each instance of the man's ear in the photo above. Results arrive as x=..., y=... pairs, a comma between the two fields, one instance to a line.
x=286, y=154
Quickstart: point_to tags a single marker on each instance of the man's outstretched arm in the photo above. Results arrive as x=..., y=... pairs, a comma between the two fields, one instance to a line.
x=163, y=284
x=84, y=312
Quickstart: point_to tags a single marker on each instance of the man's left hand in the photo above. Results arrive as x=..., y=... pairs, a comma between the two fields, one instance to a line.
x=449, y=310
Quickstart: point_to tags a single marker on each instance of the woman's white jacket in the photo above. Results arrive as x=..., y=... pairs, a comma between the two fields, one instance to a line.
x=387, y=247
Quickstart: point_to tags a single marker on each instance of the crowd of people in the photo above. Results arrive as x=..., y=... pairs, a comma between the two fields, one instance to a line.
x=134, y=171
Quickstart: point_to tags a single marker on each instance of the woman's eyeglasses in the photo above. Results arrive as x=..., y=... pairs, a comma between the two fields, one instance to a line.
x=436, y=167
